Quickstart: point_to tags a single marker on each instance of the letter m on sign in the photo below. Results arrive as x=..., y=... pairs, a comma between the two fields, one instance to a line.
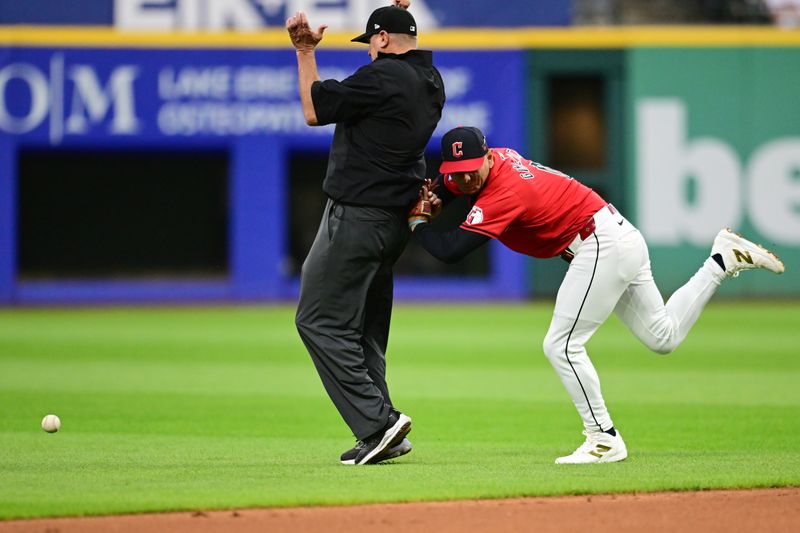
x=91, y=101
x=742, y=256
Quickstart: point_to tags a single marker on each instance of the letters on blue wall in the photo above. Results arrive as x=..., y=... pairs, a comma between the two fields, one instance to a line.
x=242, y=101
x=255, y=14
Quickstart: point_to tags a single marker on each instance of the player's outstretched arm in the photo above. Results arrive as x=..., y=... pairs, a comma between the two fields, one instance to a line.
x=449, y=246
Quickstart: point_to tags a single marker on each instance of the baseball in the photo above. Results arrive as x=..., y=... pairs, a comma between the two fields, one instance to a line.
x=51, y=423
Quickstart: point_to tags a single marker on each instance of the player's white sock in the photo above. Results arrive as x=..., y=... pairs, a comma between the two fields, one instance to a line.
x=715, y=267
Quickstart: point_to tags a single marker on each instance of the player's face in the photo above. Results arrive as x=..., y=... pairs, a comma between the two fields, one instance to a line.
x=471, y=182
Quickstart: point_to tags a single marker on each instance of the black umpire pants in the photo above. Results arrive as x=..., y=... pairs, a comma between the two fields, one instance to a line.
x=345, y=308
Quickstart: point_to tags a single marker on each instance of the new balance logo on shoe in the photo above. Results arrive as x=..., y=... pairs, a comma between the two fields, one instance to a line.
x=599, y=450
x=742, y=256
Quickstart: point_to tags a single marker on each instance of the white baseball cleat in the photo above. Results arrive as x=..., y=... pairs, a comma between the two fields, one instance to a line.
x=740, y=254
x=600, y=447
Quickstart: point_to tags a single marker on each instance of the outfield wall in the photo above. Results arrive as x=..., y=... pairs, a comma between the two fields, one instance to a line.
x=254, y=15
x=716, y=142
x=241, y=103
x=704, y=132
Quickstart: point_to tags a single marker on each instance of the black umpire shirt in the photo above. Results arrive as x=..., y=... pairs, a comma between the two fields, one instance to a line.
x=385, y=114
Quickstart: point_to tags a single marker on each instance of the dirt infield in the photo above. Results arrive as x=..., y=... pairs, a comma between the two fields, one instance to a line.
x=711, y=511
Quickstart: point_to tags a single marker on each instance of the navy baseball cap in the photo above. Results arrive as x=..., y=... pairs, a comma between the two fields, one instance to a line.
x=390, y=19
x=463, y=149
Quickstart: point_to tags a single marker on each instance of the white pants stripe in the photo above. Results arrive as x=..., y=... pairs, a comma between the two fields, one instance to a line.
x=611, y=272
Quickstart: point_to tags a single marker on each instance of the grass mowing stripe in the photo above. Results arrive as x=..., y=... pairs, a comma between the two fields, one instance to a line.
x=115, y=473
x=221, y=408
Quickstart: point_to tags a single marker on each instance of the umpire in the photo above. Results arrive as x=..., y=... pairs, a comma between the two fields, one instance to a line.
x=385, y=114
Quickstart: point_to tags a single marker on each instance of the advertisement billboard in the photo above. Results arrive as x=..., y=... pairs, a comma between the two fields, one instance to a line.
x=240, y=102
x=255, y=15
x=716, y=143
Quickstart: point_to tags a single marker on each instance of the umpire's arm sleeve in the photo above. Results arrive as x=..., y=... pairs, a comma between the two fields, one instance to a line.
x=450, y=246
x=349, y=99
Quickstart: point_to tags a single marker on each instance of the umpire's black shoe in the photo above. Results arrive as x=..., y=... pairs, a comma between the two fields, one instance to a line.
x=349, y=457
x=376, y=447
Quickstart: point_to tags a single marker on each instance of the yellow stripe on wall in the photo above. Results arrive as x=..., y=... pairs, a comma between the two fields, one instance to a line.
x=455, y=39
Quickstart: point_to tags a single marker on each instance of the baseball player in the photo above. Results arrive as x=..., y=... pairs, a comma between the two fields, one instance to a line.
x=544, y=213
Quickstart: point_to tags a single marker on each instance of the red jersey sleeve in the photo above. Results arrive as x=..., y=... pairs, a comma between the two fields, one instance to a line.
x=492, y=214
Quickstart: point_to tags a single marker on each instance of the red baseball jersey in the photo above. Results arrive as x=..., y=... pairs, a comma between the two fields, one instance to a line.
x=529, y=207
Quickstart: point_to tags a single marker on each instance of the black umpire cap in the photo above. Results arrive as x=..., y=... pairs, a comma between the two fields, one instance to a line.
x=390, y=19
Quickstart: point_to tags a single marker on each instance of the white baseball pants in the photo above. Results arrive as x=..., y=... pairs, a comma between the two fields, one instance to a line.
x=611, y=272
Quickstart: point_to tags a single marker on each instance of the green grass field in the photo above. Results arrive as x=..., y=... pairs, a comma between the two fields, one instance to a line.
x=168, y=409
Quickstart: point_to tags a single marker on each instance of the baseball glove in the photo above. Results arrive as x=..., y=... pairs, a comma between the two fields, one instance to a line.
x=422, y=207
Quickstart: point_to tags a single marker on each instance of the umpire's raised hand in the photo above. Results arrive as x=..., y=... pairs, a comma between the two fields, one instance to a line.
x=304, y=39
